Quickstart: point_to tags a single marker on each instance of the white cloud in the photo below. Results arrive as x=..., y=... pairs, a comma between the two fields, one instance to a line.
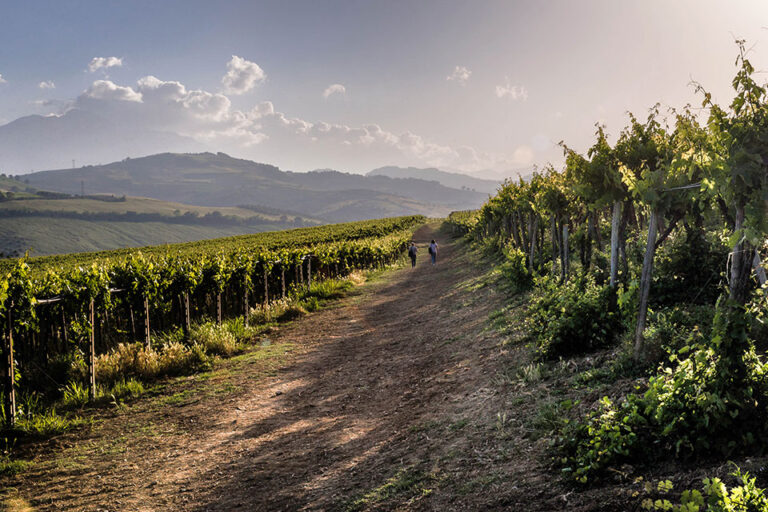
x=334, y=89
x=515, y=92
x=266, y=134
x=107, y=90
x=523, y=155
x=47, y=84
x=460, y=75
x=98, y=63
x=3, y=80
x=242, y=76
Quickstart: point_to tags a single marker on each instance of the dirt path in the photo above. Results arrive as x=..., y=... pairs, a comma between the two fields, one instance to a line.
x=385, y=401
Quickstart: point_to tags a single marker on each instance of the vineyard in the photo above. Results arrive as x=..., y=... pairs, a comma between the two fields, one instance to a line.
x=649, y=250
x=76, y=322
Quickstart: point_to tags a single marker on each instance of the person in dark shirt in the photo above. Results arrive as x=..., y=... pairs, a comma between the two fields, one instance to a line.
x=412, y=253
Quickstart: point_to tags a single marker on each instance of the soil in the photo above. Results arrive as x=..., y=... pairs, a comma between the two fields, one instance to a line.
x=404, y=395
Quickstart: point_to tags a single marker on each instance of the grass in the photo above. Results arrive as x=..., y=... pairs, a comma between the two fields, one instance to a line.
x=46, y=424
x=406, y=482
x=549, y=418
x=124, y=371
x=46, y=236
x=10, y=467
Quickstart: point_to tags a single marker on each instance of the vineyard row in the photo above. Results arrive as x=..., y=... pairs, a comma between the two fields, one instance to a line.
x=52, y=317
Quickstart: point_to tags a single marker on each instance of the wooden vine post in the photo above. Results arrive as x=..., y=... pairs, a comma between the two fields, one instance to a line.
x=282, y=280
x=309, y=271
x=187, y=321
x=10, y=384
x=615, y=221
x=218, y=308
x=147, y=339
x=245, y=305
x=564, y=257
x=266, y=286
x=92, y=353
x=301, y=272
x=645, y=283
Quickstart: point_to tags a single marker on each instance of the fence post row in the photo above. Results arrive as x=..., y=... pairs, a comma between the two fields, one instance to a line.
x=92, y=354
x=10, y=384
x=146, y=322
x=10, y=370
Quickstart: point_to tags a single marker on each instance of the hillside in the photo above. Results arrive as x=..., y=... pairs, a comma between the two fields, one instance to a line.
x=447, y=179
x=44, y=226
x=208, y=179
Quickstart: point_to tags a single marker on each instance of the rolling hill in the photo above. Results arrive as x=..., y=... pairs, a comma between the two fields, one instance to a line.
x=208, y=179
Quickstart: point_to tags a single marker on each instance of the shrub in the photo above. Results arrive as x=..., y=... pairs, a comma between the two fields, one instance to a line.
x=689, y=269
x=715, y=496
x=588, y=447
x=515, y=270
x=705, y=401
x=327, y=290
x=572, y=318
x=215, y=339
x=130, y=388
x=278, y=311
x=671, y=329
x=146, y=363
x=74, y=394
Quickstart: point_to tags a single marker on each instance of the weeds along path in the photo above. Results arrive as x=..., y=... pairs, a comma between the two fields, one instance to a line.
x=387, y=400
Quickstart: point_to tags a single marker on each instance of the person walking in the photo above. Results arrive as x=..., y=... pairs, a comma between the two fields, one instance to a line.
x=433, y=252
x=412, y=253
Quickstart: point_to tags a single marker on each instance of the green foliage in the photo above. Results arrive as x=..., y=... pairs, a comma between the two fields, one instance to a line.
x=714, y=497
x=588, y=447
x=214, y=339
x=10, y=466
x=463, y=221
x=147, y=363
x=573, y=318
x=515, y=270
x=45, y=424
x=74, y=394
x=702, y=402
x=674, y=328
x=689, y=269
x=126, y=388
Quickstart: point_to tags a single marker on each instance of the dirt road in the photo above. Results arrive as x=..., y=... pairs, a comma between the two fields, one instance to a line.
x=384, y=401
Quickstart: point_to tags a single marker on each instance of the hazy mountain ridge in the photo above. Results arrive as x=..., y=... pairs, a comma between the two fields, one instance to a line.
x=445, y=178
x=208, y=179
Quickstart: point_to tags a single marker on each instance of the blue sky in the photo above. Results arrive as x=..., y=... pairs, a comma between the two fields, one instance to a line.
x=524, y=75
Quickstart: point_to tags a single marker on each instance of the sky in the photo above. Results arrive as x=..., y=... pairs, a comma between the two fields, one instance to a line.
x=469, y=86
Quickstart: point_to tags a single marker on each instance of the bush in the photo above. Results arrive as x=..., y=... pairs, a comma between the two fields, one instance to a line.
x=215, y=339
x=146, y=363
x=689, y=269
x=515, y=270
x=130, y=388
x=588, y=447
x=572, y=318
x=704, y=402
x=327, y=290
x=715, y=496
x=74, y=394
x=671, y=329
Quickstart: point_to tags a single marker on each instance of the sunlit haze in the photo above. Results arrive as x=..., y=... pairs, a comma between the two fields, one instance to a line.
x=464, y=86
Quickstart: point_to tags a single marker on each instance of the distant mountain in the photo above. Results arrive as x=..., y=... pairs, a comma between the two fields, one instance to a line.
x=448, y=179
x=208, y=179
x=42, y=142
x=500, y=176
